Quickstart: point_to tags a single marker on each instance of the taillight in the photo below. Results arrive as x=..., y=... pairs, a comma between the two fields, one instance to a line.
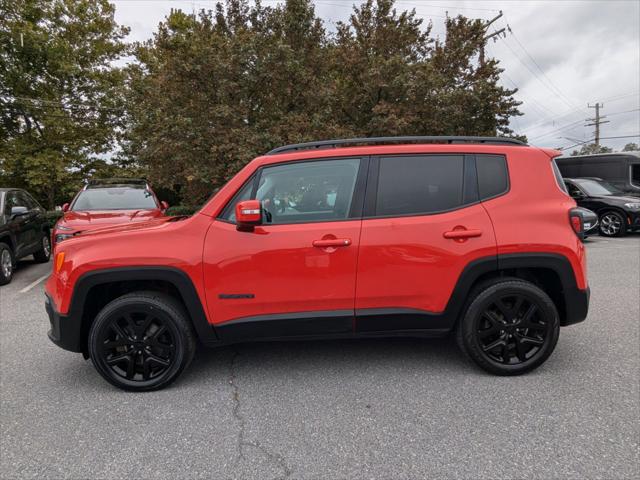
x=575, y=217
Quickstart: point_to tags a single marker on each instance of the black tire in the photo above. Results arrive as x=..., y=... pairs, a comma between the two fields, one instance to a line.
x=141, y=341
x=612, y=224
x=44, y=253
x=510, y=327
x=6, y=269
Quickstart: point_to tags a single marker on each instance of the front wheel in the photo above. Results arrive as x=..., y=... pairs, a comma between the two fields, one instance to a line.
x=141, y=341
x=510, y=327
x=44, y=252
x=6, y=264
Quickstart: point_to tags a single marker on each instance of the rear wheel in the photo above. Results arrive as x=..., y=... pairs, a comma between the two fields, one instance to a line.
x=44, y=253
x=509, y=328
x=612, y=224
x=141, y=341
x=6, y=264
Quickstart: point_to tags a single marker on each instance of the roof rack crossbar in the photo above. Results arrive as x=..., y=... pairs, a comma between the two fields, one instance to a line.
x=116, y=181
x=405, y=139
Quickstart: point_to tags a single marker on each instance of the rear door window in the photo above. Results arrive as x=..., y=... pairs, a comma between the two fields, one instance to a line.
x=419, y=184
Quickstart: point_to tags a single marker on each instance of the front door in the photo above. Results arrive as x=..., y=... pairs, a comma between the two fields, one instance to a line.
x=294, y=275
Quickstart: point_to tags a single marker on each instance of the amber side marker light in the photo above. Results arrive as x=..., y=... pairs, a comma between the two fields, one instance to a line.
x=59, y=261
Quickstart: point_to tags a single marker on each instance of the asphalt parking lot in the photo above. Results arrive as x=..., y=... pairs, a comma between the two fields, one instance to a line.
x=400, y=408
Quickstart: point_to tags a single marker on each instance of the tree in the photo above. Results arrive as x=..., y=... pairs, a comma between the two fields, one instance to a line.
x=212, y=90
x=60, y=101
x=589, y=148
x=630, y=147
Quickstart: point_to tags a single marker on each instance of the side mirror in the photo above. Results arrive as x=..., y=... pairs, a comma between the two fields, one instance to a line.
x=65, y=207
x=164, y=205
x=18, y=211
x=248, y=215
x=578, y=194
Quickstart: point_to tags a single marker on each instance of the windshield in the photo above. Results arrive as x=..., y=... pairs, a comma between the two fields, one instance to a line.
x=595, y=188
x=115, y=198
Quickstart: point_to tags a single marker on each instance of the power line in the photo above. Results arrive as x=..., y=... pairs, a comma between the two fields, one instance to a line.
x=551, y=84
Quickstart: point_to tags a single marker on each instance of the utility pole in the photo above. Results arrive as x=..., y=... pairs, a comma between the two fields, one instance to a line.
x=597, y=121
x=494, y=34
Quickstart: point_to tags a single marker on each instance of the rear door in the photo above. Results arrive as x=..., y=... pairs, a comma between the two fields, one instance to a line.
x=423, y=224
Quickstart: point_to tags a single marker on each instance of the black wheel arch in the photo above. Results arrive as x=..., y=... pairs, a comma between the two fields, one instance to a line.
x=551, y=272
x=93, y=290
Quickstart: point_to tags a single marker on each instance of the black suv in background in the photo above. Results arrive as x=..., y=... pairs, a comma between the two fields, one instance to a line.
x=23, y=231
x=617, y=213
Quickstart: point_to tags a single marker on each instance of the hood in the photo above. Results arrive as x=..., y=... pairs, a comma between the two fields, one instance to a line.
x=85, y=220
x=149, y=224
x=618, y=199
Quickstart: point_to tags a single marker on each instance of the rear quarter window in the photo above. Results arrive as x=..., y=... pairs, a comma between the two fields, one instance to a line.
x=558, y=175
x=493, y=175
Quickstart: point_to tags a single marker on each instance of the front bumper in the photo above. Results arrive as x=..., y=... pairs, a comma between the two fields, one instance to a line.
x=576, y=306
x=65, y=331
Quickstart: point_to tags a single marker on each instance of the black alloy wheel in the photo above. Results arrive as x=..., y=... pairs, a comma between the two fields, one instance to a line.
x=510, y=327
x=141, y=341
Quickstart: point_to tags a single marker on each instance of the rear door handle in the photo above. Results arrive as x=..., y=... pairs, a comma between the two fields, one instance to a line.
x=457, y=234
x=332, y=242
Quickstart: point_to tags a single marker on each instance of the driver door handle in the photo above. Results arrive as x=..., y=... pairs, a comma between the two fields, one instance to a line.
x=333, y=242
x=458, y=234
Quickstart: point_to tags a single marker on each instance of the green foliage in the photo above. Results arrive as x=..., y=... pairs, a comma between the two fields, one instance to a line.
x=215, y=89
x=52, y=217
x=181, y=210
x=630, y=147
x=60, y=102
x=590, y=148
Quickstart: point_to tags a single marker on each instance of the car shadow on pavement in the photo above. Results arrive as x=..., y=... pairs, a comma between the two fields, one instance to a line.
x=316, y=358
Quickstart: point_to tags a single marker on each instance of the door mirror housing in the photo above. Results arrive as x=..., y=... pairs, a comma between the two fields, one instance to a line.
x=18, y=211
x=577, y=194
x=248, y=215
x=164, y=205
x=65, y=207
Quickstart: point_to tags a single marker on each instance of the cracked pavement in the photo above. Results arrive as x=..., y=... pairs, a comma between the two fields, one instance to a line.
x=398, y=408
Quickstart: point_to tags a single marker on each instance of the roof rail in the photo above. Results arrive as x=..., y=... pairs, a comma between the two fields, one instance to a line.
x=409, y=139
x=116, y=181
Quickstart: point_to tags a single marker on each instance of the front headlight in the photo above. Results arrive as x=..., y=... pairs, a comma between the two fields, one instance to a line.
x=633, y=206
x=63, y=236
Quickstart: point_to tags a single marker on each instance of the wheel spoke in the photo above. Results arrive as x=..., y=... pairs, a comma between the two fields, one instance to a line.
x=119, y=331
x=504, y=310
x=118, y=358
x=146, y=369
x=493, y=345
x=159, y=360
x=122, y=342
x=131, y=367
x=505, y=352
x=531, y=340
x=526, y=318
x=521, y=349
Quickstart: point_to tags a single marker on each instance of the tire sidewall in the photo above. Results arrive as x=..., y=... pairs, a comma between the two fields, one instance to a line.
x=102, y=322
x=469, y=335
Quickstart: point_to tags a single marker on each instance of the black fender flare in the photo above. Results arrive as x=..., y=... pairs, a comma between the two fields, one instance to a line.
x=176, y=277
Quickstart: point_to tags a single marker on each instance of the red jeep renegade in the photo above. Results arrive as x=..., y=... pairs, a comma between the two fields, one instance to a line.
x=401, y=236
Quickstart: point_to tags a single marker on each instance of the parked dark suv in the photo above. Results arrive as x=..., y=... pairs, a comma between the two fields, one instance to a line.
x=23, y=231
x=617, y=213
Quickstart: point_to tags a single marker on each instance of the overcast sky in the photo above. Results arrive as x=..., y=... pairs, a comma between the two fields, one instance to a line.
x=561, y=55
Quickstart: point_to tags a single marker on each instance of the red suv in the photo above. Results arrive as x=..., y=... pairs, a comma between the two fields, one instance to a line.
x=107, y=202
x=408, y=236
